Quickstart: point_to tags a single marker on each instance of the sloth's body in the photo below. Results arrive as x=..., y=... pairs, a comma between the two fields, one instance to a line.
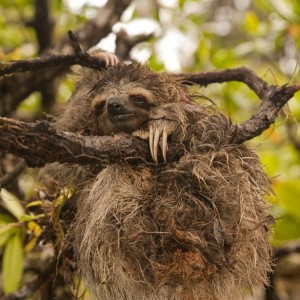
x=192, y=229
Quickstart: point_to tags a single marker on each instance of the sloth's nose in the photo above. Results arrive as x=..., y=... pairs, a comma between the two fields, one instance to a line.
x=117, y=106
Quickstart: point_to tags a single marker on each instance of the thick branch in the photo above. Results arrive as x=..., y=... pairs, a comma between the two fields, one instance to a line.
x=275, y=99
x=38, y=143
x=242, y=74
x=40, y=63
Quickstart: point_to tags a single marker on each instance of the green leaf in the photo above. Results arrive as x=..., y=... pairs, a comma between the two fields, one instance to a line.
x=4, y=219
x=34, y=203
x=12, y=203
x=27, y=218
x=7, y=228
x=12, y=262
x=288, y=193
x=5, y=233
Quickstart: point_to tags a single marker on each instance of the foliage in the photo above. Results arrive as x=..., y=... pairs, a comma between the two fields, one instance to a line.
x=190, y=35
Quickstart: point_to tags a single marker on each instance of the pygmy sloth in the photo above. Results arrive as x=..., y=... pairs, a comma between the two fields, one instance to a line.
x=192, y=229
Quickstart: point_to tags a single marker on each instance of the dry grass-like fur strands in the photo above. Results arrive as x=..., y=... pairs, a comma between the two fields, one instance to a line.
x=196, y=228
x=171, y=245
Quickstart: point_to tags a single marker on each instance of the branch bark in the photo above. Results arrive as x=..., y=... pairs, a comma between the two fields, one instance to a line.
x=32, y=141
x=38, y=143
x=61, y=61
x=83, y=150
x=273, y=98
x=242, y=74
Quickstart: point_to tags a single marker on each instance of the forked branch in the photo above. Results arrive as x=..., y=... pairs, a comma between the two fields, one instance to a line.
x=32, y=141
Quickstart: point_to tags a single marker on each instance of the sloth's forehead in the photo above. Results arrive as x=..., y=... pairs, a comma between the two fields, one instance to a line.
x=121, y=87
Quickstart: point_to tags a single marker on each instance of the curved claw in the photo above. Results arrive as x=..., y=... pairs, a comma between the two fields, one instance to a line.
x=106, y=57
x=151, y=136
x=164, y=145
x=155, y=144
x=158, y=136
x=110, y=59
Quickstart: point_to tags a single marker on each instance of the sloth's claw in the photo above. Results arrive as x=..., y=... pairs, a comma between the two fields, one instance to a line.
x=157, y=134
x=112, y=59
x=151, y=137
x=109, y=58
x=155, y=144
x=164, y=145
x=158, y=137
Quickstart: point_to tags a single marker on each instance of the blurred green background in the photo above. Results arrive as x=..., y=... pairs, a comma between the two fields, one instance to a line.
x=192, y=36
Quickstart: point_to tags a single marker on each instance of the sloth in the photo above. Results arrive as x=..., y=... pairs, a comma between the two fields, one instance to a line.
x=196, y=228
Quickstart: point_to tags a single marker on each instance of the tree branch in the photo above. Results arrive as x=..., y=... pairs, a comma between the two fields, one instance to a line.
x=242, y=74
x=40, y=63
x=38, y=143
x=42, y=23
x=287, y=249
x=91, y=149
x=267, y=113
x=273, y=98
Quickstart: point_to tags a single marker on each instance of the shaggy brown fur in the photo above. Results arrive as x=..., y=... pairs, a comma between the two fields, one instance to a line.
x=192, y=229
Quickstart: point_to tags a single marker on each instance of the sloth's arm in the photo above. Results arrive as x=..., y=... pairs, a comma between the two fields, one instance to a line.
x=171, y=122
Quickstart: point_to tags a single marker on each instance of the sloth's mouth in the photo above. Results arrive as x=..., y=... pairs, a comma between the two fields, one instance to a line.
x=121, y=117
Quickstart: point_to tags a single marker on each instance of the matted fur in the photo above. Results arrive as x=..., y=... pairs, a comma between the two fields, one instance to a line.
x=192, y=229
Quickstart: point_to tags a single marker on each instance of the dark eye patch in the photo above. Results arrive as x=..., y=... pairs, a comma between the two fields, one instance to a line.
x=98, y=108
x=140, y=100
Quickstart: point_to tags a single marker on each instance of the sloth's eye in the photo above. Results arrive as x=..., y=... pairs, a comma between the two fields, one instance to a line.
x=98, y=108
x=138, y=99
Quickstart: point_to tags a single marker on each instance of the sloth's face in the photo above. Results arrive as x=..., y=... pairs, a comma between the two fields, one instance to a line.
x=123, y=109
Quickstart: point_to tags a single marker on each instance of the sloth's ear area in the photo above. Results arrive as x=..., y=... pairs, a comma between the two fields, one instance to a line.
x=110, y=58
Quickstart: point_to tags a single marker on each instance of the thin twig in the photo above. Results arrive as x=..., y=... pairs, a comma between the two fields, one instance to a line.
x=75, y=43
